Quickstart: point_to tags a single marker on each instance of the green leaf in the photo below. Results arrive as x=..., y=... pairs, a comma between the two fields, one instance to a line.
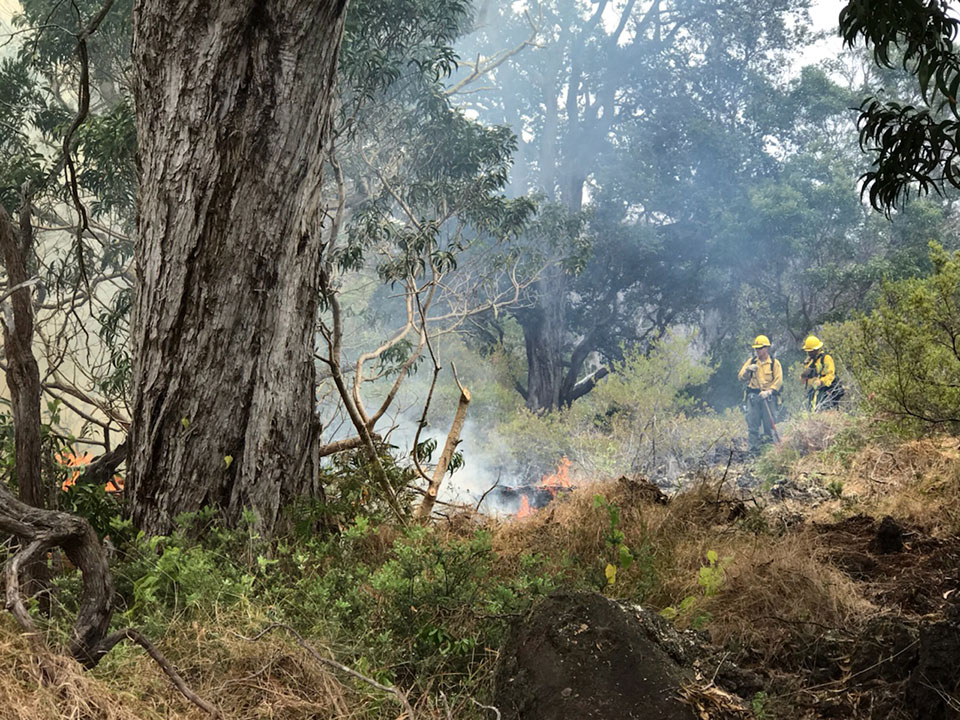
x=228, y=460
x=611, y=573
x=712, y=557
x=923, y=75
x=185, y=422
x=626, y=557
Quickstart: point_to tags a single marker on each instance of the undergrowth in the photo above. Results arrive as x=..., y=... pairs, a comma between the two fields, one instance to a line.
x=427, y=608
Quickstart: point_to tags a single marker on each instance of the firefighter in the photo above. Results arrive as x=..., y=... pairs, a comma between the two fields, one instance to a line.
x=819, y=375
x=764, y=378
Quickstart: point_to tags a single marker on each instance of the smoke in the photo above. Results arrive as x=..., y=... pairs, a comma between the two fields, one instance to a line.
x=485, y=467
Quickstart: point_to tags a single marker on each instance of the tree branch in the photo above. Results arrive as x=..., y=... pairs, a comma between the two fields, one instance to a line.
x=453, y=439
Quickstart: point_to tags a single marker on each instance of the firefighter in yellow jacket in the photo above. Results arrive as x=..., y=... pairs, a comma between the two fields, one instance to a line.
x=764, y=378
x=819, y=375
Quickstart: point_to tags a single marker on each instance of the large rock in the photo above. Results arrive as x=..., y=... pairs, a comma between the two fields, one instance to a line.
x=582, y=655
x=933, y=692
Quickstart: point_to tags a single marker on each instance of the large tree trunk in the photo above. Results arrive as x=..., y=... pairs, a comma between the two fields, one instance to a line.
x=544, y=332
x=23, y=374
x=234, y=99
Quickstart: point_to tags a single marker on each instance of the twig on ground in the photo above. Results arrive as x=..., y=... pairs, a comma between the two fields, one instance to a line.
x=135, y=636
x=396, y=692
x=494, y=710
x=724, y=478
x=843, y=682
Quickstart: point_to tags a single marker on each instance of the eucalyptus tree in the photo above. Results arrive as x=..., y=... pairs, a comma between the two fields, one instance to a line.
x=45, y=97
x=418, y=213
x=234, y=103
x=411, y=188
x=231, y=144
x=914, y=143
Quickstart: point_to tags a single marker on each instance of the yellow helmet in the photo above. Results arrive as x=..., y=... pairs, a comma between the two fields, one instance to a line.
x=761, y=341
x=812, y=343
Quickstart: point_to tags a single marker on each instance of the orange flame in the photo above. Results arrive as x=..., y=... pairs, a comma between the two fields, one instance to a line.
x=560, y=479
x=553, y=483
x=72, y=460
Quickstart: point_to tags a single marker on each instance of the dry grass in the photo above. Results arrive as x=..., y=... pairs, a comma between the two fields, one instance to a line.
x=778, y=593
x=270, y=678
x=916, y=482
x=67, y=691
x=811, y=433
x=779, y=596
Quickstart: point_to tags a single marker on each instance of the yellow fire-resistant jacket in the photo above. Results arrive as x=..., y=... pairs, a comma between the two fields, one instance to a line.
x=769, y=374
x=824, y=371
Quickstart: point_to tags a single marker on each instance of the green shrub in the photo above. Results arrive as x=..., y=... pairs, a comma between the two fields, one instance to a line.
x=428, y=605
x=636, y=420
x=905, y=355
x=194, y=572
x=710, y=578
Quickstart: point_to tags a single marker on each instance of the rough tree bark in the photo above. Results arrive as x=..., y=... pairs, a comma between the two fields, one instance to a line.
x=234, y=99
x=23, y=375
x=544, y=330
x=38, y=530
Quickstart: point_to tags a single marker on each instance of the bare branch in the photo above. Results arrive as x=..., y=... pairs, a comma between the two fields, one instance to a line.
x=135, y=636
x=481, y=68
x=83, y=109
x=338, y=446
x=19, y=286
x=453, y=439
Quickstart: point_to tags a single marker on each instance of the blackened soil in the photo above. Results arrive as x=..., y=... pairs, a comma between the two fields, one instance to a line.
x=901, y=569
x=580, y=655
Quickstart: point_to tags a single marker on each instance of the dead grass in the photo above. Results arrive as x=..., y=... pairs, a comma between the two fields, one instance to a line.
x=781, y=595
x=68, y=691
x=778, y=594
x=809, y=433
x=916, y=482
x=270, y=678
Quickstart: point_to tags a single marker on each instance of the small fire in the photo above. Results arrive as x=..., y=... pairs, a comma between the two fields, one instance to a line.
x=552, y=484
x=560, y=479
x=72, y=460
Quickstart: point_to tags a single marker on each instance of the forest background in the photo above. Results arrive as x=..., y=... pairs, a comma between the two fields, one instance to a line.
x=707, y=194
x=587, y=209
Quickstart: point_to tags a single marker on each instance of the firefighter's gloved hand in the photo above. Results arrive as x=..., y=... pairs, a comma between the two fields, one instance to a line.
x=752, y=368
x=766, y=393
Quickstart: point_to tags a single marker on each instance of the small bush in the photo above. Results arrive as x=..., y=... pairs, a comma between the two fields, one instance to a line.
x=905, y=354
x=427, y=604
x=639, y=419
